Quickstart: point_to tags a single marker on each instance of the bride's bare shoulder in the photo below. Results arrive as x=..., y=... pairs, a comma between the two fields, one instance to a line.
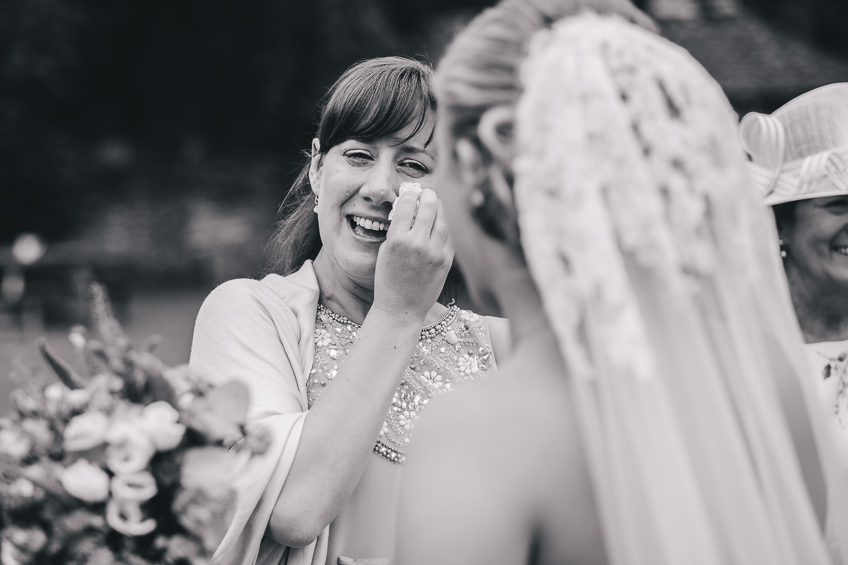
x=506, y=454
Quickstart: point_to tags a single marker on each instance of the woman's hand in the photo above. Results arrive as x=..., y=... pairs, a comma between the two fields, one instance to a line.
x=413, y=262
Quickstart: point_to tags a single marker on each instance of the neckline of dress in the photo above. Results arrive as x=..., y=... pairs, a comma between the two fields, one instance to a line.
x=438, y=325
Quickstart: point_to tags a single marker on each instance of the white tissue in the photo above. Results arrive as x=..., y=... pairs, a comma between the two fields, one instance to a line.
x=404, y=186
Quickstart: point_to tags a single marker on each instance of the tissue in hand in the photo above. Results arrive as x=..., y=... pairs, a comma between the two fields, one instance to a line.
x=404, y=186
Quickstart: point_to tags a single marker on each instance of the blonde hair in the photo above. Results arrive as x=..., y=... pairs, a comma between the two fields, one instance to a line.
x=480, y=69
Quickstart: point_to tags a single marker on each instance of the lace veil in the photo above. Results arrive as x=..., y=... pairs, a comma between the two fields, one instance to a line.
x=658, y=269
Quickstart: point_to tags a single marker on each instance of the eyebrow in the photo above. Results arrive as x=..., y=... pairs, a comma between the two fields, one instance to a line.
x=407, y=149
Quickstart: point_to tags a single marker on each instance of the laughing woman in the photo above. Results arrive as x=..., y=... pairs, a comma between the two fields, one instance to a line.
x=800, y=156
x=344, y=347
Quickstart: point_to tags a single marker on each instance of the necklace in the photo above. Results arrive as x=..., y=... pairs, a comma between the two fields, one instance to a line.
x=454, y=348
x=428, y=331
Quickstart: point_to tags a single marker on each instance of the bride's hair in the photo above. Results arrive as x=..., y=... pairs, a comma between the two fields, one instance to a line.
x=480, y=70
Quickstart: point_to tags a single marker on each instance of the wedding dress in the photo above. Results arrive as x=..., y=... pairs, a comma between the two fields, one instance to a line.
x=657, y=266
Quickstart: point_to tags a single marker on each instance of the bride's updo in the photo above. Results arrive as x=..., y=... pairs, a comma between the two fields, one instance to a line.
x=480, y=69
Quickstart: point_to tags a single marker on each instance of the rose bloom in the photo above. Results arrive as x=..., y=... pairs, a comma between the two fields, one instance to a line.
x=14, y=443
x=86, y=431
x=137, y=487
x=127, y=518
x=129, y=448
x=159, y=421
x=85, y=481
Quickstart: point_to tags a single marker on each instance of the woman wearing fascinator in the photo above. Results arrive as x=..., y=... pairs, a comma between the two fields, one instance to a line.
x=345, y=344
x=655, y=407
x=800, y=164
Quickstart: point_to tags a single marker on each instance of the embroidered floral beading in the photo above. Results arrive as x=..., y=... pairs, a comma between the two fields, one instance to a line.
x=837, y=367
x=456, y=348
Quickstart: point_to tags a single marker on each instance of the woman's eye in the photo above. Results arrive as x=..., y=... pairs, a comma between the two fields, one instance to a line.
x=358, y=158
x=414, y=168
x=837, y=204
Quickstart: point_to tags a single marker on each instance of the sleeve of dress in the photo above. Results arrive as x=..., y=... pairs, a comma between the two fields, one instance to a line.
x=246, y=331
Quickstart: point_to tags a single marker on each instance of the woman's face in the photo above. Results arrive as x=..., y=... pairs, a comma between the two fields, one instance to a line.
x=356, y=183
x=816, y=243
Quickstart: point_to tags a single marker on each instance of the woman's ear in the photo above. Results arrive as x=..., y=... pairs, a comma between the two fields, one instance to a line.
x=469, y=163
x=495, y=133
x=315, y=165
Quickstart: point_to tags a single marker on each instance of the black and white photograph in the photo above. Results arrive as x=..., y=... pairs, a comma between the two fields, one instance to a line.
x=435, y=282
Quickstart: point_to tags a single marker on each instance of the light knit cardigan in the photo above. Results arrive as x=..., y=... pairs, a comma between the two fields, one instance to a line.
x=261, y=332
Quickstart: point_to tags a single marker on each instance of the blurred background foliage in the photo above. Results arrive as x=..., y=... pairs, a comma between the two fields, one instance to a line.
x=104, y=102
x=148, y=143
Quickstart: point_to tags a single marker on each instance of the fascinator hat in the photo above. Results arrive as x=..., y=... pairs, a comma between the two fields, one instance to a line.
x=801, y=150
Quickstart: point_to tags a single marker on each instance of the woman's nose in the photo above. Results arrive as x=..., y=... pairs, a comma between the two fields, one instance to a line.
x=380, y=187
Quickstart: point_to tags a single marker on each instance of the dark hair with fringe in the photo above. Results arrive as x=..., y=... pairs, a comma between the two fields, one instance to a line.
x=373, y=99
x=784, y=213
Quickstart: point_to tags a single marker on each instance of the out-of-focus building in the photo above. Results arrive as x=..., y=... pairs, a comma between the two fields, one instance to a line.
x=759, y=66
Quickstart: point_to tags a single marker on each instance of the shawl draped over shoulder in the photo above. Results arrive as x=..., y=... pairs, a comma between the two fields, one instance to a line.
x=261, y=332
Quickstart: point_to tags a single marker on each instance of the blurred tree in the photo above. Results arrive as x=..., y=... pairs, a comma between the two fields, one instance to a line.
x=93, y=92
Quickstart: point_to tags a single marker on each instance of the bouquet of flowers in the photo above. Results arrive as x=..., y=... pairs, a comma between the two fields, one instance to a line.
x=127, y=462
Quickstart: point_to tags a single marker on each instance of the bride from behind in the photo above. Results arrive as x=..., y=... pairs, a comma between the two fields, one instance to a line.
x=654, y=408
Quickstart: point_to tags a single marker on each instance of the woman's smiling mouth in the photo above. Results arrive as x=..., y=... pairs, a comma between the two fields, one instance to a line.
x=369, y=229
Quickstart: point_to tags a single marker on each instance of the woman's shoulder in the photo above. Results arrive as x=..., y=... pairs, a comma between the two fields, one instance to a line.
x=239, y=296
x=495, y=331
x=510, y=404
x=271, y=293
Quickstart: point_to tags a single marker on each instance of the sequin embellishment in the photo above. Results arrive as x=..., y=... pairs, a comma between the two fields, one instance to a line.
x=456, y=348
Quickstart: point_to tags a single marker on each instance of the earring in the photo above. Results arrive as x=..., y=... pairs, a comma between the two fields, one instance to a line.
x=782, y=248
x=476, y=199
x=316, y=204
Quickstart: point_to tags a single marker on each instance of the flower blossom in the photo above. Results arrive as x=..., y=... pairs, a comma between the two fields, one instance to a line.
x=159, y=422
x=468, y=364
x=129, y=448
x=13, y=443
x=86, y=431
x=85, y=481
x=135, y=487
x=20, y=544
x=126, y=517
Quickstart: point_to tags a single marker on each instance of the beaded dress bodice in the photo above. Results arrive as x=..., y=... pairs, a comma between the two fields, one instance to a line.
x=456, y=348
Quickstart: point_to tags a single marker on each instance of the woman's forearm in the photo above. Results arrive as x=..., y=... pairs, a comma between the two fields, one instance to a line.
x=341, y=428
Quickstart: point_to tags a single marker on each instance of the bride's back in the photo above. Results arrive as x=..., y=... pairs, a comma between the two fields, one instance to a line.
x=504, y=471
x=599, y=199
